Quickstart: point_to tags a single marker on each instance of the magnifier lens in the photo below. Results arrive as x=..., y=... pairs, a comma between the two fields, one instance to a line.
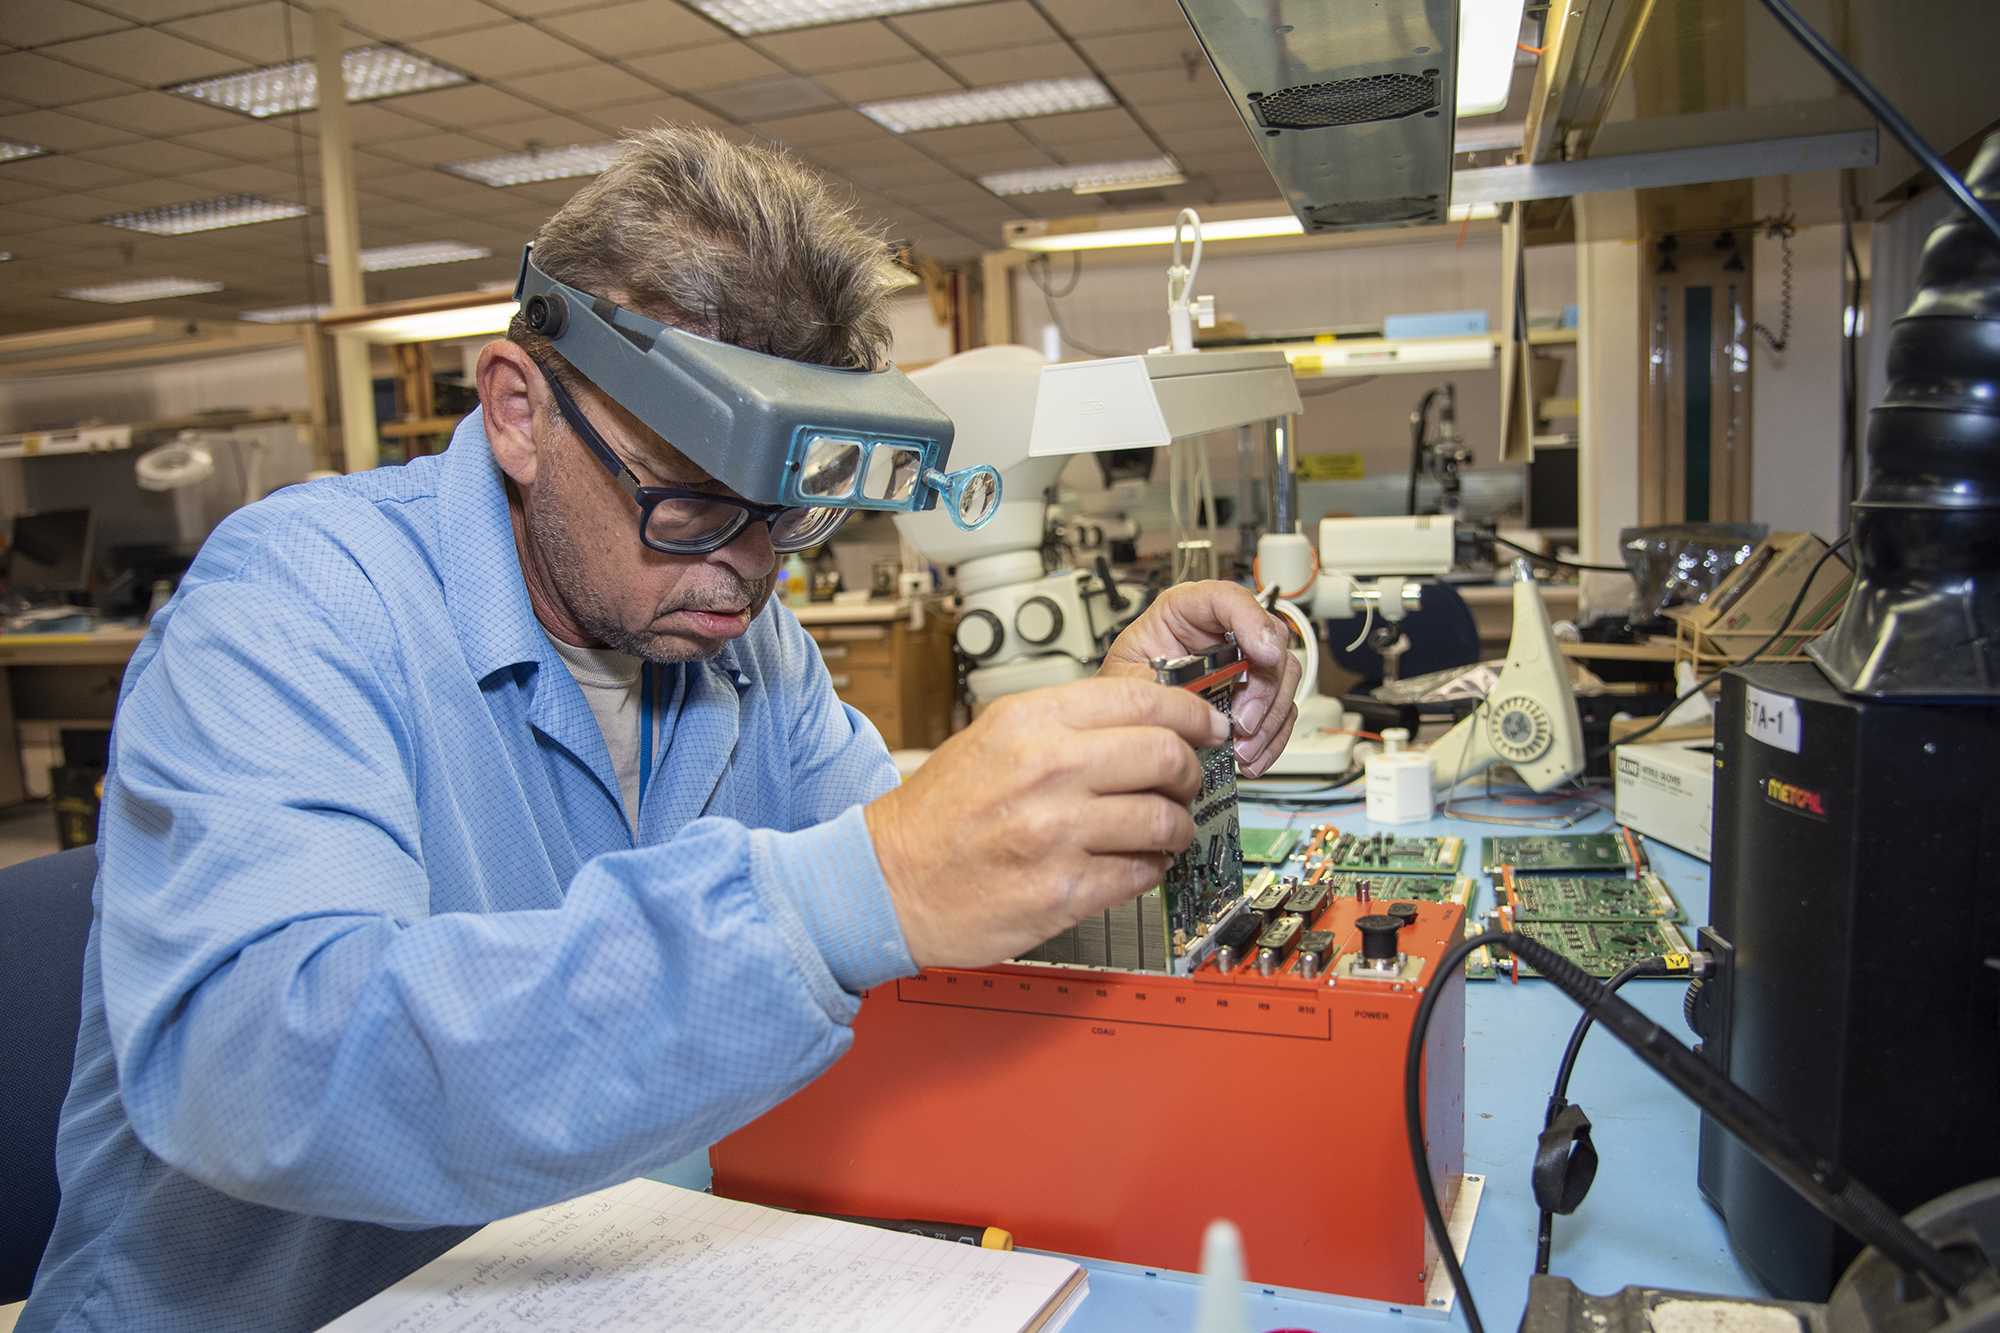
x=892, y=474
x=801, y=529
x=977, y=497
x=831, y=466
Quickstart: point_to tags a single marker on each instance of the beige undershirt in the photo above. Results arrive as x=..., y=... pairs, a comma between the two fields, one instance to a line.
x=610, y=681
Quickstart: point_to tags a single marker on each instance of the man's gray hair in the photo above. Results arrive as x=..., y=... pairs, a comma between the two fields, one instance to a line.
x=734, y=242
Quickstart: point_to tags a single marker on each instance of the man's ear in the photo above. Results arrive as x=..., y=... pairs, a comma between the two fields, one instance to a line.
x=510, y=386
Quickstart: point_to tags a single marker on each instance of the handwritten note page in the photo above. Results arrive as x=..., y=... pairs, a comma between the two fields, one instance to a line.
x=646, y=1256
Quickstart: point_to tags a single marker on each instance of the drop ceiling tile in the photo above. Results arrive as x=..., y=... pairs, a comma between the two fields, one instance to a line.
x=1081, y=126
x=582, y=88
x=9, y=107
x=1007, y=157
x=255, y=34
x=1201, y=113
x=1083, y=18
x=879, y=149
x=642, y=115
x=1118, y=148
x=696, y=68
x=891, y=175
x=1153, y=87
x=837, y=46
x=369, y=123
x=1195, y=145
x=1017, y=64
x=909, y=78
x=19, y=192
x=469, y=106
x=59, y=131
x=31, y=77
x=553, y=193
x=159, y=157
x=63, y=172
x=410, y=20
x=769, y=99
x=145, y=56
x=432, y=149
x=944, y=32
x=39, y=22
x=949, y=198
x=258, y=142
x=547, y=131
x=644, y=25
x=150, y=113
x=272, y=182
x=949, y=145
x=820, y=127
x=498, y=52
x=1155, y=48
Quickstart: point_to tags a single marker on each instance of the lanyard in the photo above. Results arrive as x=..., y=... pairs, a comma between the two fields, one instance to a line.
x=649, y=683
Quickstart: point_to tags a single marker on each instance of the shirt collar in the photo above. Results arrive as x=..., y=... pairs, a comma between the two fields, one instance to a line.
x=484, y=589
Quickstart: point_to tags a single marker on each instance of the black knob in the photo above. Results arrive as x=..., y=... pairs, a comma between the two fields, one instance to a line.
x=980, y=634
x=1404, y=912
x=1694, y=1008
x=546, y=315
x=1378, y=937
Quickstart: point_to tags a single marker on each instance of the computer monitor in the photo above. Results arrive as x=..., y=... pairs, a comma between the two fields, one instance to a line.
x=50, y=552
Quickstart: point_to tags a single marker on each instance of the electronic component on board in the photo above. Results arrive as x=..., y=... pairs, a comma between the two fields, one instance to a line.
x=1413, y=888
x=1603, y=948
x=1275, y=945
x=1235, y=939
x=1389, y=853
x=1558, y=851
x=1271, y=901
x=1589, y=897
x=1315, y=948
x=1307, y=900
x=1268, y=846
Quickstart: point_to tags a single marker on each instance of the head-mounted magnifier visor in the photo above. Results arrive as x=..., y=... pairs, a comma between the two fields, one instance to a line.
x=778, y=432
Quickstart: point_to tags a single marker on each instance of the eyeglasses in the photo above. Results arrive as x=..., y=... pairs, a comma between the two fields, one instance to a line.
x=679, y=521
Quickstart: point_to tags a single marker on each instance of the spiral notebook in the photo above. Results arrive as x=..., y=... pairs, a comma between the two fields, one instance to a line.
x=647, y=1256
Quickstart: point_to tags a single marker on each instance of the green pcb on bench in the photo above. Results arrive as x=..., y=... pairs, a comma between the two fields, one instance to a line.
x=1591, y=898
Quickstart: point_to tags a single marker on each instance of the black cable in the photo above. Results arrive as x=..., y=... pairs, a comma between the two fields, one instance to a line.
x=1755, y=653
x=1552, y=560
x=1419, y=423
x=1782, y=229
x=1038, y=276
x=1891, y=119
x=1655, y=966
x=1075, y=273
x=1844, y=1200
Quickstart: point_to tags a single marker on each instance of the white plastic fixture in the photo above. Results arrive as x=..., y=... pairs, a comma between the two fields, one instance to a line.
x=976, y=106
x=1489, y=32
x=275, y=90
x=548, y=164
x=236, y=210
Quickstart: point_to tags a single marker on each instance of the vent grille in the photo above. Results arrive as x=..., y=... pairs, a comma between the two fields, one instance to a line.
x=1360, y=212
x=1313, y=106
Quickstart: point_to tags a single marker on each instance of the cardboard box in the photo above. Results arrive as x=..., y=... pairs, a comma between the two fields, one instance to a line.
x=1749, y=604
x=1667, y=792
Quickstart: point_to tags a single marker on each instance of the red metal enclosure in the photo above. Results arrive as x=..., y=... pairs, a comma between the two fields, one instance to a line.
x=1112, y=1115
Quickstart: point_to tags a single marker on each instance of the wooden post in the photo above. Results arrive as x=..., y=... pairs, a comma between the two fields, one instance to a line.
x=343, y=239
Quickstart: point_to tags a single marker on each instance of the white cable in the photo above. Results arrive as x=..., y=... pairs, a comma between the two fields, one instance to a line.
x=1367, y=621
x=1180, y=283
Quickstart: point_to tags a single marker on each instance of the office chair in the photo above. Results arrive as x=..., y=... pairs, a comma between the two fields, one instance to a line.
x=1442, y=634
x=44, y=923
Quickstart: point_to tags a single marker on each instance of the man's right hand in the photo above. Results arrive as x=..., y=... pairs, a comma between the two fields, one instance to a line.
x=1053, y=805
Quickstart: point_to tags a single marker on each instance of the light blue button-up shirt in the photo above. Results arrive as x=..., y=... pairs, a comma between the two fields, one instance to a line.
x=377, y=959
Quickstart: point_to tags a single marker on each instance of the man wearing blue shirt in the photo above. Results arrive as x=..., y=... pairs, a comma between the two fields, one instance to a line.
x=476, y=836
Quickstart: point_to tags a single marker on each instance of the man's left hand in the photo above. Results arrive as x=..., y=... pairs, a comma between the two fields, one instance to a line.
x=1190, y=617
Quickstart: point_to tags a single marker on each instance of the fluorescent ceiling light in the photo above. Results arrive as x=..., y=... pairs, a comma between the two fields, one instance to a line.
x=238, y=210
x=745, y=17
x=10, y=152
x=369, y=72
x=416, y=254
x=548, y=164
x=1091, y=178
x=285, y=314
x=1235, y=229
x=976, y=106
x=140, y=289
x=433, y=325
x=1488, y=31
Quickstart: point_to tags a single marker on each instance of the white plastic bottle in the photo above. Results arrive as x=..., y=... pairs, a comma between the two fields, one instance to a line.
x=1399, y=782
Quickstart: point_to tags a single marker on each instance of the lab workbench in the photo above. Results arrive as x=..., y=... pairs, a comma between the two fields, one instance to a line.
x=1643, y=1222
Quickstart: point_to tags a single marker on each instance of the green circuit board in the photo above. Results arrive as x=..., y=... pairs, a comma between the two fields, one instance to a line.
x=1408, y=888
x=1387, y=852
x=1268, y=846
x=1590, y=898
x=1604, y=948
x=1556, y=852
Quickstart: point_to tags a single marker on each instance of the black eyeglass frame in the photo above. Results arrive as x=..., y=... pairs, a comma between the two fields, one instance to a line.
x=649, y=498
